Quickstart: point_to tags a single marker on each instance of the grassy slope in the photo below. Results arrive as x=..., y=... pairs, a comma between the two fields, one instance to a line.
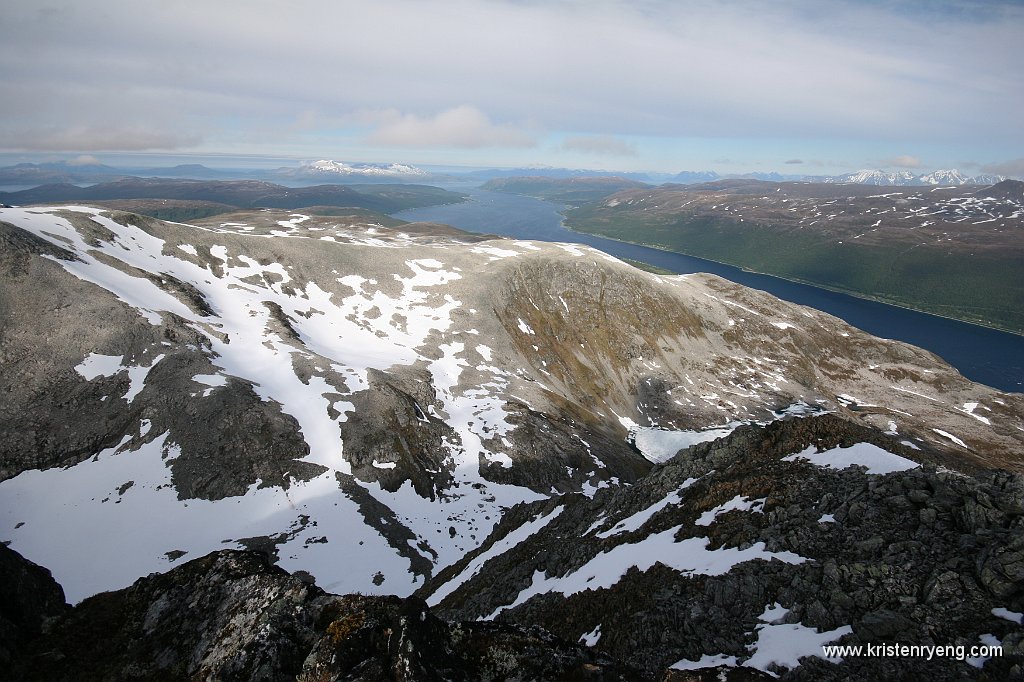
x=985, y=289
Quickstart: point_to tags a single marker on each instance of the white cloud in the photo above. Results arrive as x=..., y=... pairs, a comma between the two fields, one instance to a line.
x=75, y=138
x=605, y=145
x=461, y=126
x=258, y=70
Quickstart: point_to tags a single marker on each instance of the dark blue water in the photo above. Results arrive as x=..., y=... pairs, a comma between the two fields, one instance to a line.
x=984, y=355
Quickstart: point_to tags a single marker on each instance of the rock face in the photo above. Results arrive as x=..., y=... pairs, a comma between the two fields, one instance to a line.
x=30, y=600
x=736, y=543
x=233, y=616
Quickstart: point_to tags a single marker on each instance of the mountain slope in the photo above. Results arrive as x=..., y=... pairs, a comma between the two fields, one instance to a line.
x=756, y=550
x=955, y=252
x=311, y=385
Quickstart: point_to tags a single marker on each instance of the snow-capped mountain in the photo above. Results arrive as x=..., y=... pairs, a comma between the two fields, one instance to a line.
x=399, y=410
x=898, y=178
x=392, y=170
x=694, y=177
x=876, y=177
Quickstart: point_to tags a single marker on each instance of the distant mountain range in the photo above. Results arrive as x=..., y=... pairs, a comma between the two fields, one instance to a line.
x=897, y=178
x=375, y=170
x=950, y=177
x=380, y=197
x=326, y=171
x=339, y=172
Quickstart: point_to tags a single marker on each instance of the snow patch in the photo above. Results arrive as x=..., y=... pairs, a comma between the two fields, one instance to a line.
x=951, y=437
x=661, y=445
x=97, y=365
x=738, y=503
x=873, y=458
x=686, y=556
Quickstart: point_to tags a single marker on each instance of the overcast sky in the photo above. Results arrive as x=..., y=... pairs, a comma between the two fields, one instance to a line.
x=801, y=86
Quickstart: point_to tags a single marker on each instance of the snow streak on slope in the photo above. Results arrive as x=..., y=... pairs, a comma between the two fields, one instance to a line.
x=686, y=556
x=514, y=538
x=301, y=347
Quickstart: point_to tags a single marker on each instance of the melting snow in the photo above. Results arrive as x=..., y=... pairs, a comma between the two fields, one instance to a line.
x=591, y=638
x=686, y=556
x=661, y=445
x=513, y=539
x=366, y=329
x=737, y=503
x=76, y=521
x=873, y=458
x=951, y=437
x=525, y=328
x=96, y=365
x=969, y=408
x=1012, y=616
x=637, y=520
x=705, y=661
x=784, y=644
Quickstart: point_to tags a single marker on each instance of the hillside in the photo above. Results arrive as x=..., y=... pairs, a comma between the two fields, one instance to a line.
x=377, y=407
x=756, y=550
x=381, y=198
x=954, y=251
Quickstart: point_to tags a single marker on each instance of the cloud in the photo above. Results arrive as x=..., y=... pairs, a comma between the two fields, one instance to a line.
x=463, y=126
x=793, y=161
x=658, y=69
x=904, y=161
x=606, y=145
x=94, y=139
x=1013, y=168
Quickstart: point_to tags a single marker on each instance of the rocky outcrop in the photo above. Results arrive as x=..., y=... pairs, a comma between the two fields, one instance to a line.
x=920, y=556
x=30, y=600
x=233, y=616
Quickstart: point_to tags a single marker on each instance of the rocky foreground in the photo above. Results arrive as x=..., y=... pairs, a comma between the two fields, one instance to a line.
x=718, y=587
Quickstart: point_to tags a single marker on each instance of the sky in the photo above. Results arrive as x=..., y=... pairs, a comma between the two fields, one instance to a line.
x=794, y=86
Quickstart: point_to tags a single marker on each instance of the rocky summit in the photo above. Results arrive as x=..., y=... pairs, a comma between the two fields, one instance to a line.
x=473, y=439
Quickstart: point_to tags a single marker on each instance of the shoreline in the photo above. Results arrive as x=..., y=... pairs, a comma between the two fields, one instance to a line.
x=807, y=283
